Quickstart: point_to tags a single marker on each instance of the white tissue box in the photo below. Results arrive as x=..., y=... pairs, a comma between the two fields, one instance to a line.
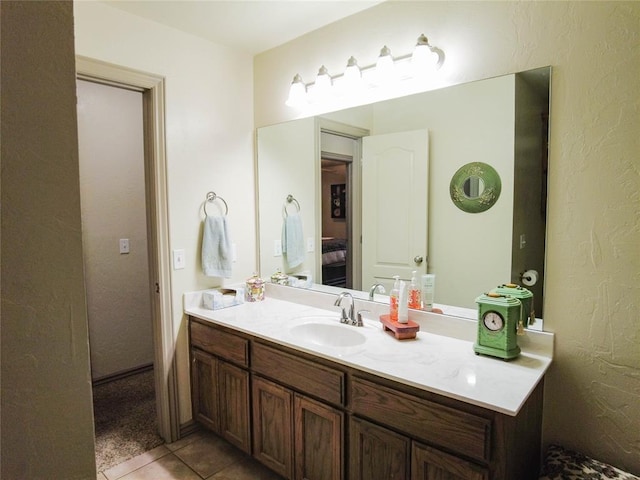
x=222, y=297
x=300, y=280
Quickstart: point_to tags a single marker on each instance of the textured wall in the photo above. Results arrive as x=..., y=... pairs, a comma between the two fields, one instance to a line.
x=592, y=399
x=47, y=419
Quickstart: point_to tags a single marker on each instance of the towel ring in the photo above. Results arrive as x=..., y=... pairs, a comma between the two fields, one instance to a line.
x=291, y=199
x=211, y=197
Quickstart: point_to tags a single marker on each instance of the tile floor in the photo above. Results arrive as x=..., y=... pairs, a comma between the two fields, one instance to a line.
x=201, y=455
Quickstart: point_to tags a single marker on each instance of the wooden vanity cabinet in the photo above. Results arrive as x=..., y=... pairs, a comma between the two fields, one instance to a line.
x=313, y=419
x=220, y=389
x=297, y=437
x=430, y=464
x=377, y=453
x=272, y=407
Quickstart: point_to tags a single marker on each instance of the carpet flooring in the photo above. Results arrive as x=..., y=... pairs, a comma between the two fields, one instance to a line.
x=125, y=419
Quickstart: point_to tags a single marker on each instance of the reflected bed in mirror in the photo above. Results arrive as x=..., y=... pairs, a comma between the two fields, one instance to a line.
x=397, y=214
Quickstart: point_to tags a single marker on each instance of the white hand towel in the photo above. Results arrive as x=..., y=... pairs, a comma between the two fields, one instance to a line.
x=293, y=240
x=216, y=248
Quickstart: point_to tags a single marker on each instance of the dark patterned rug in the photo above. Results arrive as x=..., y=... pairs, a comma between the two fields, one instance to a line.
x=125, y=419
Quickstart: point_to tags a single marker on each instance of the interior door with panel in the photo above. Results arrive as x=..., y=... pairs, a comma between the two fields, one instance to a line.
x=395, y=170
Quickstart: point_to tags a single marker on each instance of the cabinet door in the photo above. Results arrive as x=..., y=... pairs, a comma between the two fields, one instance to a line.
x=273, y=425
x=234, y=405
x=318, y=440
x=204, y=389
x=430, y=464
x=376, y=453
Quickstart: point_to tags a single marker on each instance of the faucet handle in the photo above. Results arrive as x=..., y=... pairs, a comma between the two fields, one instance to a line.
x=359, y=320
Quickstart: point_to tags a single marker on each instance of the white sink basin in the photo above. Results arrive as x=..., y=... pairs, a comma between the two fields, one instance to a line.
x=328, y=334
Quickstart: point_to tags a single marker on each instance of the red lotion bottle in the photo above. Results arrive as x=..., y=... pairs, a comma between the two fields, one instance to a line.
x=394, y=299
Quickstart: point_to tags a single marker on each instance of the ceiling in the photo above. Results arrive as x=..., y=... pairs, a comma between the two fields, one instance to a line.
x=251, y=26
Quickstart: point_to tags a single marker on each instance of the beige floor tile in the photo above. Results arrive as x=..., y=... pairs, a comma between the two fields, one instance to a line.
x=247, y=469
x=168, y=467
x=209, y=454
x=100, y=476
x=121, y=469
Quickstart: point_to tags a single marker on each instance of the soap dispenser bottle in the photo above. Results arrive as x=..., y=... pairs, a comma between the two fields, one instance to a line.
x=415, y=294
x=394, y=297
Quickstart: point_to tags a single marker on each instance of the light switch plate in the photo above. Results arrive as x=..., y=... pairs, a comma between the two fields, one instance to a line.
x=310, y=245
x=277, y=248
x=178, y=259
x=124, y=245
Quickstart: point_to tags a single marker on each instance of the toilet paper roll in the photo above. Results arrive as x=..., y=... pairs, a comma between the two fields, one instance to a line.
x=530, y=278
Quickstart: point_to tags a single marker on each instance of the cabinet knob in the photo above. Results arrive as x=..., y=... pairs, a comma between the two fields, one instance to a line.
x=418, y=259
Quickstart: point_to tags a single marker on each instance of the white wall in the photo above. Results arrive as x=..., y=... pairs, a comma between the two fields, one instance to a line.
x=209, y=134
x=591, y=292
x=297, y=178
x=47, y=417
x=466, y=123
x=112, y=189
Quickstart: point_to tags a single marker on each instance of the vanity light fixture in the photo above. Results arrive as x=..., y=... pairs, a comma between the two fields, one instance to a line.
x=387, y=71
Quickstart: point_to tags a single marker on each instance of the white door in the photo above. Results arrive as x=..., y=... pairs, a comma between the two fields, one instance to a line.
x=395, y=170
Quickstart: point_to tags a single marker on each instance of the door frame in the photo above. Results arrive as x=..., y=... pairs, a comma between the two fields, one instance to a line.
x=156, y=193
x=355, y=198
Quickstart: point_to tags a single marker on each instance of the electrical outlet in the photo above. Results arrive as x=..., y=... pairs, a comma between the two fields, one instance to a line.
x=277, y=248
x=310, y=245
x=179, y=260
x=124, y=245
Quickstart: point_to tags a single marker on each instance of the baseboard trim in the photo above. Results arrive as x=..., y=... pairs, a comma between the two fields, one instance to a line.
x=122, y=374
x=188, y=428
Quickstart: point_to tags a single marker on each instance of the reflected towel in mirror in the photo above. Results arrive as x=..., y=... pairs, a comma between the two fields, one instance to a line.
x=216, y=248
x=293, y=240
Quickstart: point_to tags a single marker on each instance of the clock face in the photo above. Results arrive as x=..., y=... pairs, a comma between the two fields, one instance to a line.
x=493, y=321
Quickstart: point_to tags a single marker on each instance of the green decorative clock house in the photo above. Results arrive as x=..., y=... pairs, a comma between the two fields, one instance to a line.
x=498, y=318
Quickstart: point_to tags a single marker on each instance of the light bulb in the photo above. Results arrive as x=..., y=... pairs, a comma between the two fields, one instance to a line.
x=297, y=92
x=352, y=76
x=385, y=71
x=322, y=87
x=424, y=60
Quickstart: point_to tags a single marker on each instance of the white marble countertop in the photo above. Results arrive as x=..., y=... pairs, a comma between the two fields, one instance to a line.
x=439, y=360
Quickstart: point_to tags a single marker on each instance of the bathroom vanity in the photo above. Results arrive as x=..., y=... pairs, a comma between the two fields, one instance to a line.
x=311, y=398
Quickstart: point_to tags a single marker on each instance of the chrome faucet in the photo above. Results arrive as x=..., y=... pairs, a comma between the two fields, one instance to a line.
x=344, y=318
x=376, y=287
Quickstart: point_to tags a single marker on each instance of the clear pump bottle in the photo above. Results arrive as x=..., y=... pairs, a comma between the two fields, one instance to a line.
x=415, y=294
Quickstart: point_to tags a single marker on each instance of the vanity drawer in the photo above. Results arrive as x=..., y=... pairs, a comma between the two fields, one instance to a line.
x=218, y=342
x=467, y=434
x=297, y=373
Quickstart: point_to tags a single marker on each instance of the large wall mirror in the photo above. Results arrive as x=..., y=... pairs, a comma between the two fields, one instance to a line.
x=373, y=188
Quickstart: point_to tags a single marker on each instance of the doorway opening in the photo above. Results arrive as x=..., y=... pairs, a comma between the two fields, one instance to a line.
x=335, y=177
x=158, y=286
